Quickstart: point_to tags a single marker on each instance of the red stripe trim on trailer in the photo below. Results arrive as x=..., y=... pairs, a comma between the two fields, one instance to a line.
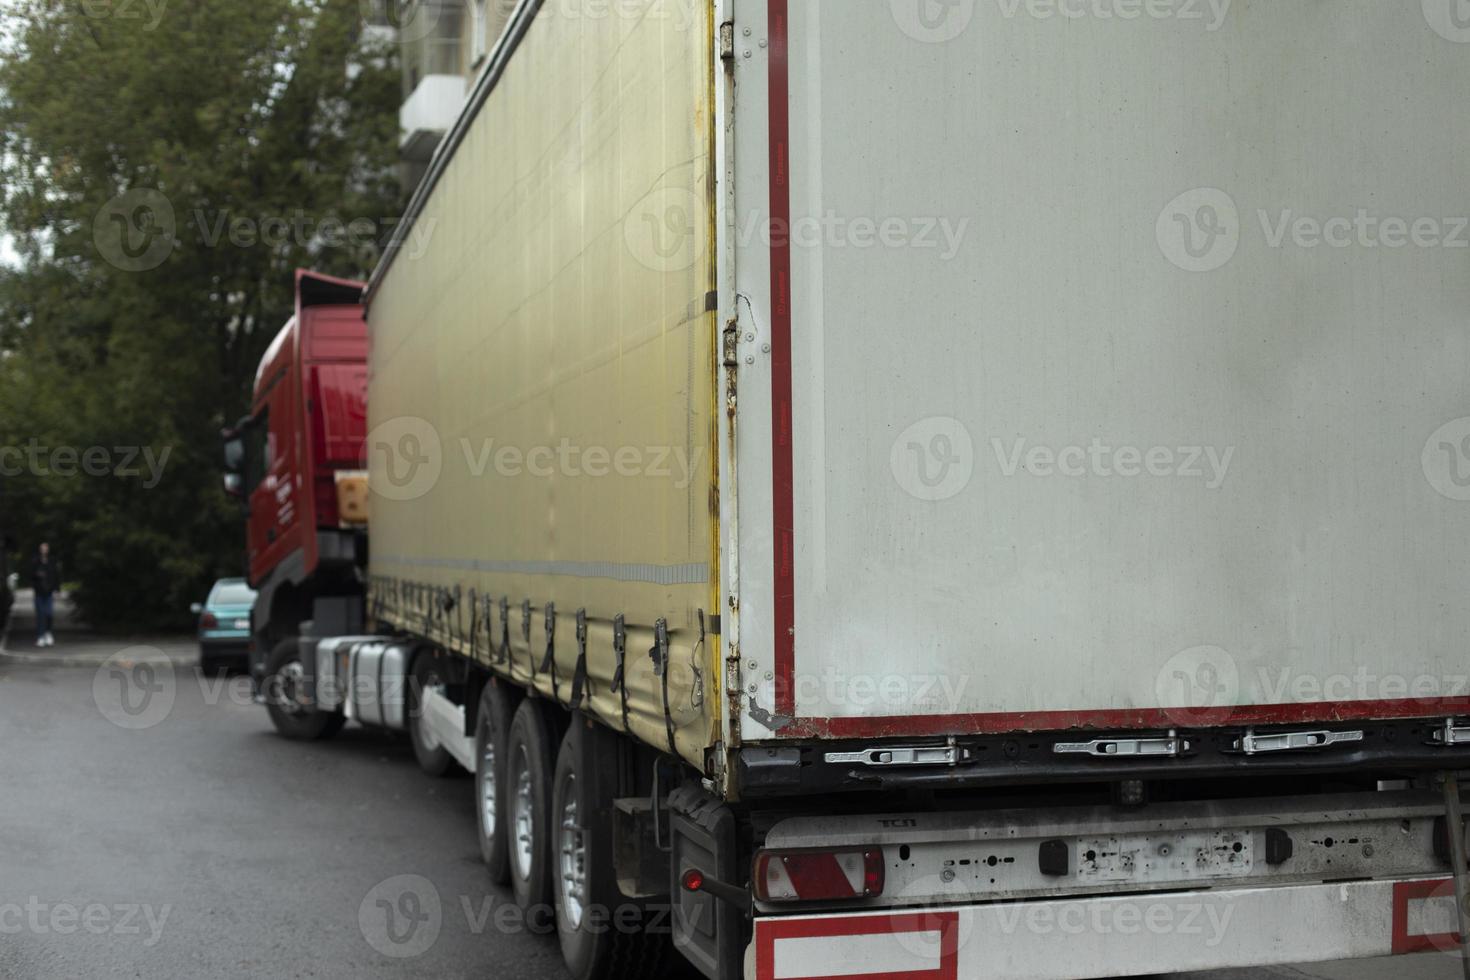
x=947, y=924
x=782, y=464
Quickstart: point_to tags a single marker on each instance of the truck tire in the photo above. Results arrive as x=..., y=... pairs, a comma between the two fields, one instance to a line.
x=529, y=768
x=433, y=758
x=492, y=801
x=599, y=940
x=283, y=672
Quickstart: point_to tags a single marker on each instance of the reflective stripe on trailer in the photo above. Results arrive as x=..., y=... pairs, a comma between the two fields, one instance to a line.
x=1124, y=935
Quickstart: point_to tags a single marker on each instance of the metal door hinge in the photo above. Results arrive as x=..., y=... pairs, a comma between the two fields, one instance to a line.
x=727, y=41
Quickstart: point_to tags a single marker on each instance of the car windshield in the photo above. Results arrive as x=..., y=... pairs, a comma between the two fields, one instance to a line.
x=232, y=594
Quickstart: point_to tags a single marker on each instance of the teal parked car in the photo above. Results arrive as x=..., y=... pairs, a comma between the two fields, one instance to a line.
x=224, y=625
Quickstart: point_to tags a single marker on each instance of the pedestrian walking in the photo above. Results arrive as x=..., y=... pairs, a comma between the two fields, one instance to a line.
x=46, y=581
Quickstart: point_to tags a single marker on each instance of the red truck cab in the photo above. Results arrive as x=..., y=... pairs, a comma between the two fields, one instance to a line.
x=305, y=433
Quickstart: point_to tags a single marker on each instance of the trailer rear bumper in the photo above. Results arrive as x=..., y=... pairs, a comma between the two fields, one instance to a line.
x=1114, y=936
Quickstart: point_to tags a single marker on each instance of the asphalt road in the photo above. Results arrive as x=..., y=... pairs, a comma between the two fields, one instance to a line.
x=173, y=835
x=203, y=846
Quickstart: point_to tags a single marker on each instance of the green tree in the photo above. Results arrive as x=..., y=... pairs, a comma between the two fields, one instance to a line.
x=166, y=166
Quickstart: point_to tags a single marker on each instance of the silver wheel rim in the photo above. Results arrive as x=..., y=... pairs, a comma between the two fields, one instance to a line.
x=573, y=855
x=523, y=815
x=487, y=788
x=291, y=682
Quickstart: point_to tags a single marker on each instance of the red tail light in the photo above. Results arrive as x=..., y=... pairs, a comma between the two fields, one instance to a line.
x=209, y=621
x=818, y=876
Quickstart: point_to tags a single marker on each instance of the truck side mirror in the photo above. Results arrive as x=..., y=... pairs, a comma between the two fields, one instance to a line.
x=234, y=453
x=234, y=485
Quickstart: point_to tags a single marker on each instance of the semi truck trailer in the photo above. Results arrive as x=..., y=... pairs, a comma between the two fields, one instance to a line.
x=926, y=489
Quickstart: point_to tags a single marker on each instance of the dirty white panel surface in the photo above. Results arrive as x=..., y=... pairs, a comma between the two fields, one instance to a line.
x=1130, y=359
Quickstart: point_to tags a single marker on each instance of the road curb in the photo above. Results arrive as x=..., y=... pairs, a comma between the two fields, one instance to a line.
x=83, y=660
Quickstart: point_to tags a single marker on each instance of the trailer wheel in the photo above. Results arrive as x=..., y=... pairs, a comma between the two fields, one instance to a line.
x=282, y=685
x=529, y=769
x=492, y=800
x=433, y=758
x=599, y=939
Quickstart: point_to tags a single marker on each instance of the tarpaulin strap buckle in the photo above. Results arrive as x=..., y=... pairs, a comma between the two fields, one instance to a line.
x=474, y=605
x=660, y=656
x=548, y=662
x=620, y=652
x=526, y=632
x=696, y=694
x=659, y=652
x=503, y=654
x=579, y=678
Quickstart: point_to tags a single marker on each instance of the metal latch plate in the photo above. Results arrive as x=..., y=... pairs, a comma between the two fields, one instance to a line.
x=909, y=755
x=1124, y=748
x=1253, y=744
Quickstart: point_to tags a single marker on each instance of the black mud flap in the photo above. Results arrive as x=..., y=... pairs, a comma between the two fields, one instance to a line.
x=711, y=933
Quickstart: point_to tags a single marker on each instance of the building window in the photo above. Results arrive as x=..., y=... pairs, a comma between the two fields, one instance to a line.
x=480, y=32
